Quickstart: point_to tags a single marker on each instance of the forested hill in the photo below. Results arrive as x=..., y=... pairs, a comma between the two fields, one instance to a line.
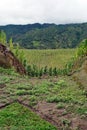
x=41, y=36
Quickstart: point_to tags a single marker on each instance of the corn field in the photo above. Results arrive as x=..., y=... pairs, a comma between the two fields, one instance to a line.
x=50, y=58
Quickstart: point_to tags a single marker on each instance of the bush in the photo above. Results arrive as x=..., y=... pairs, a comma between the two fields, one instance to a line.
x=50, y=71
x=82, y=49
x=45, y=71
x=55, y=73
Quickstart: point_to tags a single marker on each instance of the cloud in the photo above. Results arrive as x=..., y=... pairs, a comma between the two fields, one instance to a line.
x=42, y=11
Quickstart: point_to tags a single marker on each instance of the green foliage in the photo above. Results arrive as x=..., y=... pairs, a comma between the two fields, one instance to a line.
x=61, y=83
x=52, y=61
x=70, y=64
x=82, y=110
x=8, y=71
x=40, y=72
x=55, y=73
x=25, y=63
x=82, y=49
x=34, y=71
x=3, y=37
x=60, y=105
x=16, y=116
x=28, y=69
x=20, y=54
x=45, y=71
x=77, y=58
x=45, y=36
x=50, y=58
x=17, y=50
x=11, y=44
x=62, y=91
x=66, y=122
x=50, y=71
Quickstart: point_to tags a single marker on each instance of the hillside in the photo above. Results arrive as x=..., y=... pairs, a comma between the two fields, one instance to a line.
x=45, y=36
x=9, y=60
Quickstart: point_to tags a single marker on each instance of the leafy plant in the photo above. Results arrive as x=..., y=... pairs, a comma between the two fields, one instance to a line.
x=55, y=71
x=50, y=71
x=45, y=71
x=11, y=44
x=60, y=105
x=3, y=37
x=82, y=49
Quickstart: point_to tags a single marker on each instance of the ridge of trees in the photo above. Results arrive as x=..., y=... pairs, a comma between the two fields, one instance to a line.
x=46, y=36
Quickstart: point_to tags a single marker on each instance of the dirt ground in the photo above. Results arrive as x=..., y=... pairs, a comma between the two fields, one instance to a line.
x=48, y=111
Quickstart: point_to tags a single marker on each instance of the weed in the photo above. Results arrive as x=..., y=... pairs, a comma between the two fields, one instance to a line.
x=82, y=110
x=66, y=122
x=60, y=105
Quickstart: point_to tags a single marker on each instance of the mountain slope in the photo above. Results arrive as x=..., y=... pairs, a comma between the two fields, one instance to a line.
x=44, y=36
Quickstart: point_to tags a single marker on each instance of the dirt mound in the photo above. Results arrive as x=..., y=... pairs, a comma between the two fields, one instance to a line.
x=80, y=75
x=8, y=60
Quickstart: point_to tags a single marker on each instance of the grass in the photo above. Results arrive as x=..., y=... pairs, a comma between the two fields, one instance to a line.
x=64, y=91
x=51, y=58
x=18, y=117
x=8, y=71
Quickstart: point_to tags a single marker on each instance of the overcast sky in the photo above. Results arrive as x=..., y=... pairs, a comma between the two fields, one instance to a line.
x=42, y=11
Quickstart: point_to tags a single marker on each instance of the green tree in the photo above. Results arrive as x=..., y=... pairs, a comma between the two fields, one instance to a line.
x=82, y=49
x=3, y=37
x=11, y=44
x=17, y=50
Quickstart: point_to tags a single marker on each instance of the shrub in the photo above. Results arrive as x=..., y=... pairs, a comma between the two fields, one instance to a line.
x=45, y=71
x=55, y=73
x=82, y=49
x=50, y=71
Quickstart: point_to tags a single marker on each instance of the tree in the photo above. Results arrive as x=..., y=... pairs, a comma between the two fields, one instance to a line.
x=3, y=37
x=11, y=44
x=82, y=49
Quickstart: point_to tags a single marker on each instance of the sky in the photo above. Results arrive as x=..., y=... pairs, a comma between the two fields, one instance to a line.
x=42, y=11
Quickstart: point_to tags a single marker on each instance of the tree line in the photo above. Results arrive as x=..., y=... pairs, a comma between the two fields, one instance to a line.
x=46, y=36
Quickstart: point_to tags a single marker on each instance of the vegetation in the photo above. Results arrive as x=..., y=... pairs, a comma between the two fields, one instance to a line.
x=46, y=36
x=40, y=70
x=16, y=116
x=82, y=49
x=3, y=37
x=50, y=58
x=44, y=62
x=53, y=88
x=62, y=92
x=77, y=60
